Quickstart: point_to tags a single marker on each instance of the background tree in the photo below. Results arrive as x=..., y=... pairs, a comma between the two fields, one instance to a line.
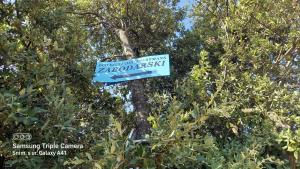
x=45, y=80
x=238, y=108
x=232, y=100
x=138, y=28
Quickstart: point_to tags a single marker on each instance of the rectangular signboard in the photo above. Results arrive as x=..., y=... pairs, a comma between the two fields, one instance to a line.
x=148, y=66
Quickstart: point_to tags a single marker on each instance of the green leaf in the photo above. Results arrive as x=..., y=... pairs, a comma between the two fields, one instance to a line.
x=119, y=127
x=22, y=92
x=98, y=166
x=290, y=149
x=89, y=156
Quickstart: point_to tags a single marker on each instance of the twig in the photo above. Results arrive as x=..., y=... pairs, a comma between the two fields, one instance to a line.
x=218, y=90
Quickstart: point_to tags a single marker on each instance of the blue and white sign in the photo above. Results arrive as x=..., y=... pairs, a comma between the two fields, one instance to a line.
x=149, y=66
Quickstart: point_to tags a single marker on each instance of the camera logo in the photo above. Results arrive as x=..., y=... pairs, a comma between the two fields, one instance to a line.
x=22, y=136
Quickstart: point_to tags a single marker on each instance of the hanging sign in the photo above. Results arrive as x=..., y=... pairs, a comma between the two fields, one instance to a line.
x=149, y=66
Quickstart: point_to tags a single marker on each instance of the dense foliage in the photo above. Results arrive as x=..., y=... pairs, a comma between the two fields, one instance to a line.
x=232, y=100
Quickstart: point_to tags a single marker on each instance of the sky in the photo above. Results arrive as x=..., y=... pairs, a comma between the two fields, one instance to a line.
x=188, y=22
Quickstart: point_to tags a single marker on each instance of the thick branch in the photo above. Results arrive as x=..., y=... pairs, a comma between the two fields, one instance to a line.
x=127, y=49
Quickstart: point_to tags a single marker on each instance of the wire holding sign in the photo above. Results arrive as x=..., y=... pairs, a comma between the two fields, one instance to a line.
x=149, y=66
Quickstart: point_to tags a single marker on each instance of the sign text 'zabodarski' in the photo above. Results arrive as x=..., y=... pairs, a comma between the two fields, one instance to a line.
x=149, y=66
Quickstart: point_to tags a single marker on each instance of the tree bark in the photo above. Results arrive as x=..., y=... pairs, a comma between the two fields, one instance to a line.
x=137, y=88
x=292, y=160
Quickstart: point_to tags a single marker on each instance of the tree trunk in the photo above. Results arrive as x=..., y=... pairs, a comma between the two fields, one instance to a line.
x=137, y=88
x=292, y=160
